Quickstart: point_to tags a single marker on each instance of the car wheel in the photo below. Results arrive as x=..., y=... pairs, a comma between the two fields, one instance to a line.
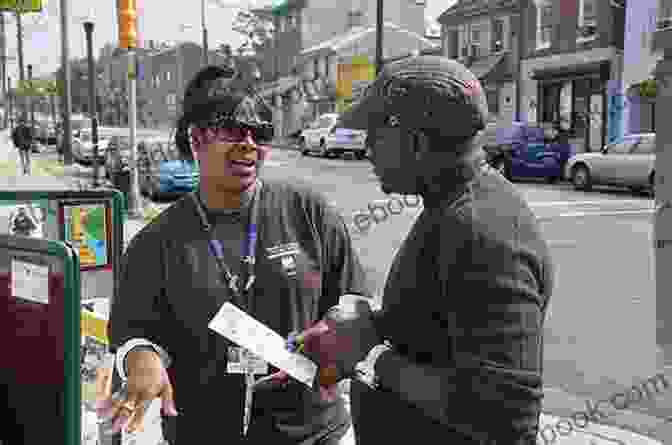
x=502, y=167
x=303, y=147
x=581, y=178
x=323, y=149
x=360, y=155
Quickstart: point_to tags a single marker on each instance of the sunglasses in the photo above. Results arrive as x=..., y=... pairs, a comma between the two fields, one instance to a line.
x=235, y=131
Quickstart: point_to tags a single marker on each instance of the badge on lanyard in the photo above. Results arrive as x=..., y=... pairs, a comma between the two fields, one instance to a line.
x=242, y=361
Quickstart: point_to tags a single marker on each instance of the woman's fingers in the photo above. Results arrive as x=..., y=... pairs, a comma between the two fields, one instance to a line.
x=124, y=412
x=138, y=417
x=167, y=396
x=314, y=331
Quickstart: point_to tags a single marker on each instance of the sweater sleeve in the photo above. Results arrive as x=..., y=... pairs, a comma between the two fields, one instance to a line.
x=139, y=309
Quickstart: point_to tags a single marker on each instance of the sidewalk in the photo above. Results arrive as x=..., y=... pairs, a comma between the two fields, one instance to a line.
x=564, y=421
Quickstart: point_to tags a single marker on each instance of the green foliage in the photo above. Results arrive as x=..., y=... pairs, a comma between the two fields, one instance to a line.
x=256, y=29
x=648, y=89
x=38, y=87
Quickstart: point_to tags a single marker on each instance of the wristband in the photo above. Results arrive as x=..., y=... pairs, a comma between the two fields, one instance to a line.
x=123, y=351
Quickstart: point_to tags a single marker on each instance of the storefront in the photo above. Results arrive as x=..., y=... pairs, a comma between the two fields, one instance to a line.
x=575, y=97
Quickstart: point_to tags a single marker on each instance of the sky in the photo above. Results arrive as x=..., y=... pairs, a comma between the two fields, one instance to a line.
x=162, y=20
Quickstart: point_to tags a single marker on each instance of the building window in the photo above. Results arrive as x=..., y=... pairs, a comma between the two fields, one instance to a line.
x=453, y=44
x=462, y=37
x=544, y=24
x=171, y=99
x=664, y=14
x=550, y=103
x=291, y=20
x=316, y=68
x=475, y=42
x=492, y=97
x=355, y=18
x=167, y=76
x=587, y=23
x=497, y=35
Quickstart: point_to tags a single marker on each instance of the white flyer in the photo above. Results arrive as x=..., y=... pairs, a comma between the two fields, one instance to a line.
x=30, y=281
x=242, y=329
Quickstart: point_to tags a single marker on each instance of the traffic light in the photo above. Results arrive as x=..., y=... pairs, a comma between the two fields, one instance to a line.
x=127, y=24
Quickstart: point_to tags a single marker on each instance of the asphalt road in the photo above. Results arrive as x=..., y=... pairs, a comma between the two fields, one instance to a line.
x=600, y=326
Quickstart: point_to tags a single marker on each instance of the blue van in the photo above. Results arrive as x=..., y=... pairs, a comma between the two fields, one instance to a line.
x=524, y=151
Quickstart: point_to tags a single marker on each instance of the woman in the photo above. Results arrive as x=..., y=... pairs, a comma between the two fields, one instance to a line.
x=180, y=269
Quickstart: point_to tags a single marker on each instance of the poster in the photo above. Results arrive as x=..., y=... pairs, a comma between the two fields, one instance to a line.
x=23, y=5
x=352, y=80
x=29, y=218
x=86, y=228
x=30, y=281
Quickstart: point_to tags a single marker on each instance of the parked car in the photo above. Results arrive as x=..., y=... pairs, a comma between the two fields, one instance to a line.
x=162, y=172
x=629, y=162
x=525, y=151
x=118, y=152
x=82, y=147
x=325, y=138
x=45, y=133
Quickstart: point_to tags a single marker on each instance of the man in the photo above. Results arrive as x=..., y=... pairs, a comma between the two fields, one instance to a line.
x=456, y=351
x=22, y=137
x=177, y=274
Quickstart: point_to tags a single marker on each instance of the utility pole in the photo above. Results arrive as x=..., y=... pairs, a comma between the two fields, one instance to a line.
x=134, y=204
x=66, y=100
x=127, y=11
x=19, y=50
x=379, y=36
x=30, y=98
x=3, y=57
x=11, y=102
x=93, y=108
x=205, y=34
x=520, y=48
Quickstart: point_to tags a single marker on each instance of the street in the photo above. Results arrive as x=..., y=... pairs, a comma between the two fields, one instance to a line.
x=600, y=325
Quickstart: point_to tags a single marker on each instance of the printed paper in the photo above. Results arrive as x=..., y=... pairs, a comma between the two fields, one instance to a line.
x=30, y=281
x=239, y=327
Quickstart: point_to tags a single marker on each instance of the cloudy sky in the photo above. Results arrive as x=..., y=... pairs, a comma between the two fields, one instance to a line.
x=161, y=20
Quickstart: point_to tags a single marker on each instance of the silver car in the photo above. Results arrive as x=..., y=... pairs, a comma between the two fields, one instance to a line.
x=629, y=162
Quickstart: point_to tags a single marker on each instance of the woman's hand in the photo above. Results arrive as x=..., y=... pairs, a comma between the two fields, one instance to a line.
x=147, y=380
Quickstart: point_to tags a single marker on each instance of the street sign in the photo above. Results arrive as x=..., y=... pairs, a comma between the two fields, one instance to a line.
x=21, y=5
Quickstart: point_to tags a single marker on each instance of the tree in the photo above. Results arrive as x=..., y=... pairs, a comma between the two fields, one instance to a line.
x=257, y=29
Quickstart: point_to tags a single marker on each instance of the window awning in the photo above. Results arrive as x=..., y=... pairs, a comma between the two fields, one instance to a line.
x=484, y=66
x=574, y=71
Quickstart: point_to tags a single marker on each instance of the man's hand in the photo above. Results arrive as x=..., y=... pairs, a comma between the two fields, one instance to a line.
x=147, y=380
x=340, y=340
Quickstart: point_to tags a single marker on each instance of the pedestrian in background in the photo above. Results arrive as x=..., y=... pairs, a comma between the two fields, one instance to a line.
x=180, y=269
x=455, y=353
x=22, y=137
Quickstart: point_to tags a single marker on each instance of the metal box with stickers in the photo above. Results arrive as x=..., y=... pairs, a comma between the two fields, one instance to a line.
x=59, y=255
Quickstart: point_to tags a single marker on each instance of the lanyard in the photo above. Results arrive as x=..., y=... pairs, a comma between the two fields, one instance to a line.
x=248, y=249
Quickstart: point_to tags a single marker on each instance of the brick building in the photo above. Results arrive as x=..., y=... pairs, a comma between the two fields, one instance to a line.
x=573, y=52
x=483, y=35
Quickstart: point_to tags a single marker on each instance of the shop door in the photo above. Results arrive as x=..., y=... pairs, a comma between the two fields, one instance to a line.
x=594, y=140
